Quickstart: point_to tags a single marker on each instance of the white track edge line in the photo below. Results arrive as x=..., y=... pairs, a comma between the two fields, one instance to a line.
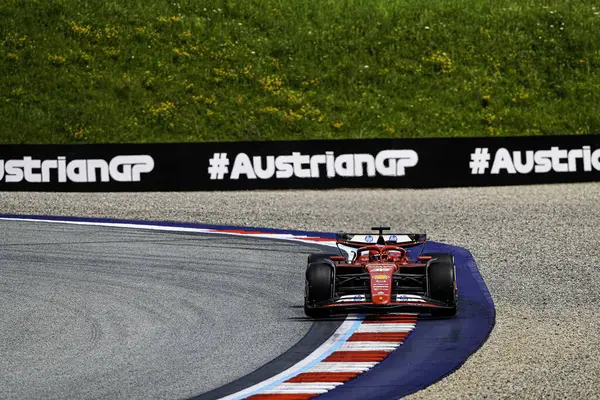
x=339, y=337
x=151, y=226
x=336, y=340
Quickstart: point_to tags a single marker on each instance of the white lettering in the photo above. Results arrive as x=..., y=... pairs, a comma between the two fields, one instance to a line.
x=296, y=164
x=140, y=165
x=14, y=172
x=120, y=169
x=573, y=156
x=314, y=164
x=242, y=166
x=596, y=160
x=330, y=164
x=102, y=165
x=543, y=161
x=30, y=165
x=527, y=167
x=269, y=170
x=62, y=169
x=368, y=161
x=77, y=171
x=587, y=163
x=397, y=160
x=299, y=161
x=557, y=155
x=285, y=169
x=502, y=160
x=344, y=165
x=46, y=166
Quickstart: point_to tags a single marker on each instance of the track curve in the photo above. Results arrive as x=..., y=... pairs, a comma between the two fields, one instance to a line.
x=92, y=312
x=536, y=247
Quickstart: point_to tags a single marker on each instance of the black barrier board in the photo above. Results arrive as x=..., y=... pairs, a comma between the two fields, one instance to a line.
x=315, y=164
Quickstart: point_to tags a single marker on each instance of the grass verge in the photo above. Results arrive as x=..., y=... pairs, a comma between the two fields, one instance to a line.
x=196, y=70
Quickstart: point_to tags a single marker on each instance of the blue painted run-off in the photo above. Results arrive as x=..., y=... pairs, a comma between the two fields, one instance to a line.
x=434, y=349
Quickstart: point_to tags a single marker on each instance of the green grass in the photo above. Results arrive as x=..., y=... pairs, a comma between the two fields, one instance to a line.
x=195, y=70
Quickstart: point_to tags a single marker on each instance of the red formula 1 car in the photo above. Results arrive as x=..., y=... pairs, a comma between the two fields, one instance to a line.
x=374, y=273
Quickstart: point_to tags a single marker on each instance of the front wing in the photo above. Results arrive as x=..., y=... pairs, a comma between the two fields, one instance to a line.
x=363, y=303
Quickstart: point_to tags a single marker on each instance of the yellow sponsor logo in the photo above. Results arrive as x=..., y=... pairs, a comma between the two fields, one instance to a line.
x=380, y=277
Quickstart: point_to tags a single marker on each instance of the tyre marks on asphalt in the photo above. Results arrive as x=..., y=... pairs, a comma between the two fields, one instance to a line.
x=83, y=317
x=374, y=339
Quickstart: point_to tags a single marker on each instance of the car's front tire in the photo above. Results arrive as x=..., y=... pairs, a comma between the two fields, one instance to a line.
x=441, y=281
x=319, y=288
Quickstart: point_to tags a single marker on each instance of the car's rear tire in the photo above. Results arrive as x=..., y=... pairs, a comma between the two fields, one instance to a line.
x=441, y=278
x=319, y=287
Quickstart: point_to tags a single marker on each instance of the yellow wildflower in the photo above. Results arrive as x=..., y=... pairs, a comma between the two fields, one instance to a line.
x=132, y=122
x=182, y=53
x=225, y=73
x=293, y=96
x=212, y=100
x=310, y=82
x=164, y=20
x=312, y=113
x=247, y=71
x=110, y=32
x=270, y=110
x=78, y=131
x=56, y=59
x=291, y=116
x=387, y=128
x=440, y=62
x=163, y=111
x=272, y=84
x=81, y=29
x=112, y=52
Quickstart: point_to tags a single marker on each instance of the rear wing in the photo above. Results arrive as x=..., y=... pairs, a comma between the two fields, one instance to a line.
x=362, y=239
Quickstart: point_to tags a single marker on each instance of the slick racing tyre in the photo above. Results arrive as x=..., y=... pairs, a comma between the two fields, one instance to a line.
x=441, y=278
x=319, y=287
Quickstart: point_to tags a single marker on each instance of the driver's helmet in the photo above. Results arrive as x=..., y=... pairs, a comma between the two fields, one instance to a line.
x=374, y=255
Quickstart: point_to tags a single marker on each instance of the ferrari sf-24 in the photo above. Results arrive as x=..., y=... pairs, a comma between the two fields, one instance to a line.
x=373, y=273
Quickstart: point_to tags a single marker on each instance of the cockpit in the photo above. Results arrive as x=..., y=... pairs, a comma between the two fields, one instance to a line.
x=378, y=253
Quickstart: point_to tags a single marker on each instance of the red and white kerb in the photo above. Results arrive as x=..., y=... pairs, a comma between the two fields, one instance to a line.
x=373, y=341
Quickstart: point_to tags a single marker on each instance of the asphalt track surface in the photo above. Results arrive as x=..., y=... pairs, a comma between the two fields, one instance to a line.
x=537, y=248
x=97, y=312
